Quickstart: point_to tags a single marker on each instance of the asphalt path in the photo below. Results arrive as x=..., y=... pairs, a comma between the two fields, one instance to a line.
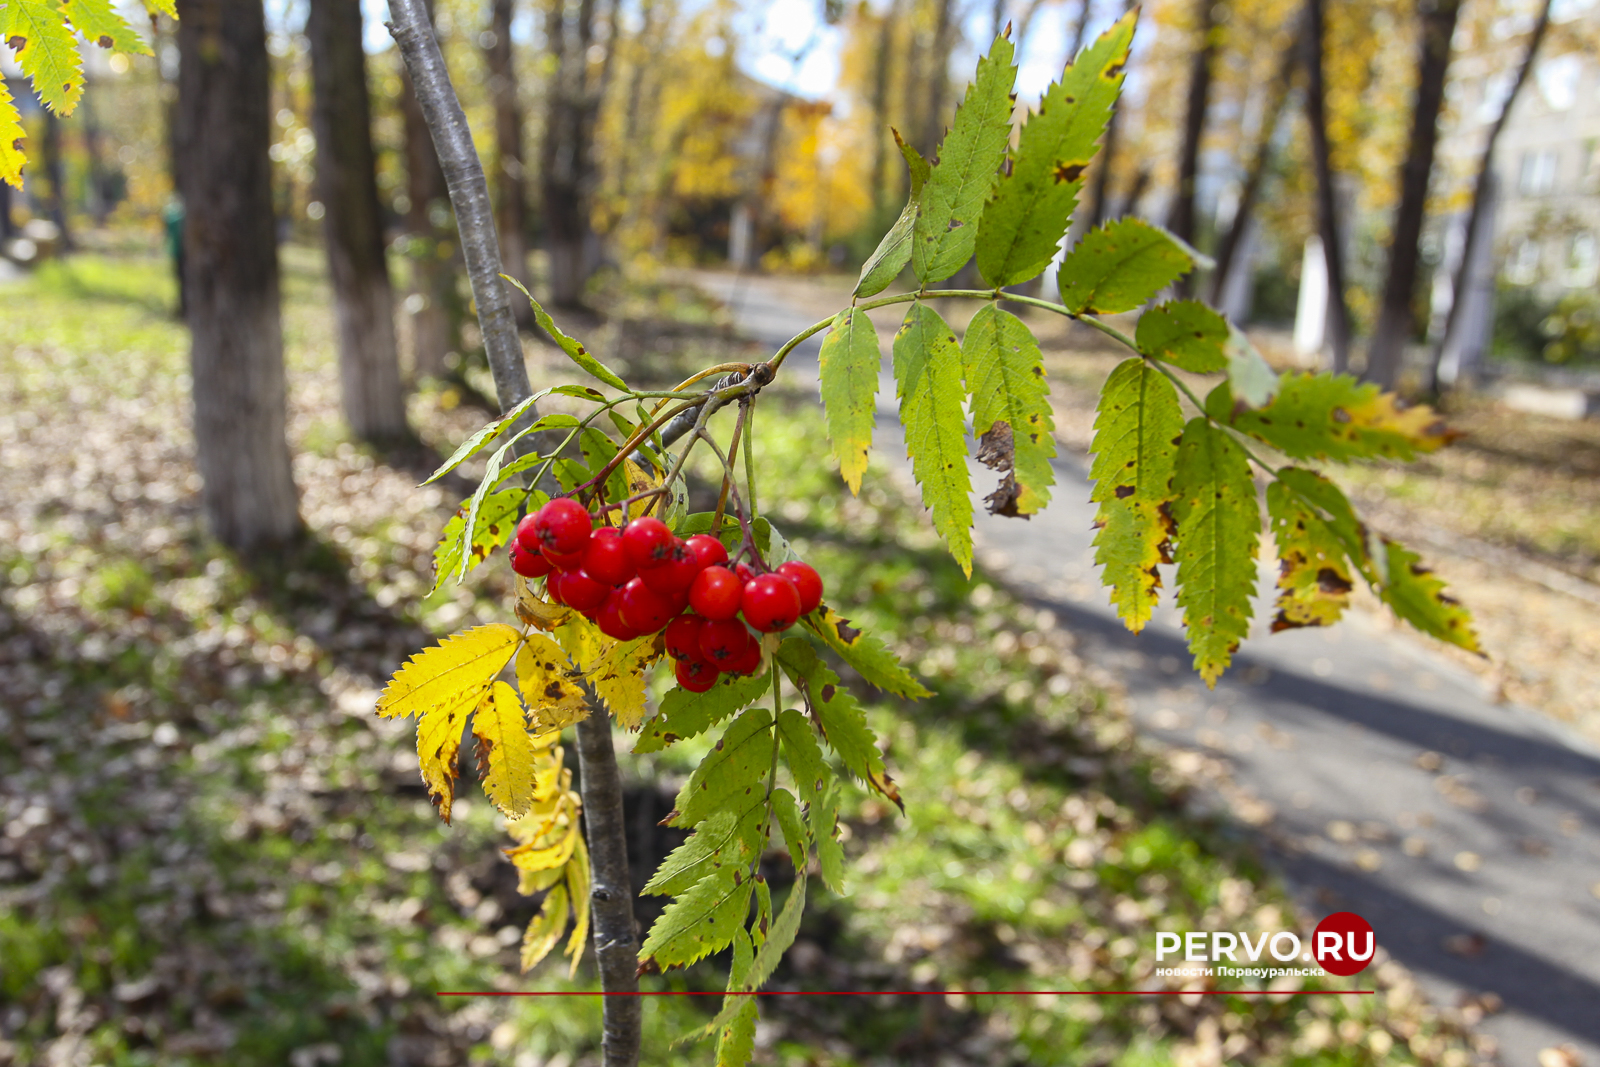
x=1378, y=776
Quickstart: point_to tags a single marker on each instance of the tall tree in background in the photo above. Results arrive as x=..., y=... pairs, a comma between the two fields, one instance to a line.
x=567, y=166
x=431, y=253
x=236, y=354
x=1207, y=17
x=1394, y=325
x=55, y=172
x=510, y=182
x=369, y=361
x=882, y=201
x=1480, y=197
x=934, y=78
x=1328, y=223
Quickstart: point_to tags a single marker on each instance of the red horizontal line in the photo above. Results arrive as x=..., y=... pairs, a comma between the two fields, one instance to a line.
x=918, y=993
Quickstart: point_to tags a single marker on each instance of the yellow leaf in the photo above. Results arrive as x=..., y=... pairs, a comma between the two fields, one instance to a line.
x=12, y=138
x=578, y=884
x=101, y=25
x=531, y=882
x=585, y=645
x=46, y=50
x=506, y=752
x=462, y=663
x=538, y=612
x=438, y=742
x=168, y=8
x=544, y=676
x=536, y=856
x=618, y=678
x=544, y=930
x=640, y=479
x=548, y=780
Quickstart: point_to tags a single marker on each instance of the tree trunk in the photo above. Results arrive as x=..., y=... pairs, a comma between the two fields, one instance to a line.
x=369, y=362
x=236, y=354
x=510, y=185
x=7, y=226
x=1181, y=219
x=1480, y=197
x=94, y=149
x=1337, y=332
x=433, y=275
x=1277, y=97
x=936, y=81
x=1395, y=316
x=880, y=111
x=567, y=168
x=55, y=173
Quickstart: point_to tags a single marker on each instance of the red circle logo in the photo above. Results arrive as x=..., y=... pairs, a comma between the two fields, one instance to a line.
x=1343, y=944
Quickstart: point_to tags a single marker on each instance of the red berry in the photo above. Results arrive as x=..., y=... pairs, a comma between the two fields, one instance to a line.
x=724, y=642
x=807, y=582
x=609, y=619
x=747, y=663
x=552, y=589
x=770, y=603
x=605, y=559
x=524, y=534
x=580, y=591
x=707, y=550
x=562, y=526
x=529, y=564
x=695, y=675
x=673, y=575
x=564, y=561
x=683, y=637
x=646, y=540
x=644, y=609
x=742, y=569
x=716, y=593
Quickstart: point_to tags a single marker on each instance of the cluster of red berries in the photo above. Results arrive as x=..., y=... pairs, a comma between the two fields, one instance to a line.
x=641, y=580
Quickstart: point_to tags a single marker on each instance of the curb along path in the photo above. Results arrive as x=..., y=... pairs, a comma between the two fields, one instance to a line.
x=1378, y=776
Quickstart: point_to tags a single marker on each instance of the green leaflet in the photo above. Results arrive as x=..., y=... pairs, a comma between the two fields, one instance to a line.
x=1335, y=417
x=497, y=517
x=46, y=50
x=739, y=763
x=598, y=450
x=571, y=346
x=824, y=832
x=702, y=921
x=894, y=251
x=1419, y=598
x=803, y=754
x=843, y=723
x=1010, y=409
x=1218, y=527
x=1135, y=444
x=1120, y=265
x=1252, y=382
x=781, y=936
x=1186, y=334
x=927, y=373
x=101, y=25
x=966, y=169
x=1314, y=578
x=726, y=838
x=491, y=479
x=685, y=714
x=736, y=1042
x=1026, y=218
x=793, y=826
x=866, y=655
x=850, y=358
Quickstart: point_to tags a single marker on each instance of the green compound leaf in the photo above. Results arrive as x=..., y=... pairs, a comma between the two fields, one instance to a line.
x=850, y=359
x=726, y=838
x=496, y=519
x=571, y=346
x=1219, y=525
x=46, y=50
x=1186, y=334
x=1120, y=265
x=866, y=654
x=1314, y=576
x=1415, y=595
x=966, y=169
x=1135, y=443
x=1010, y=409
x=685, y=714
x=1023, y=223
x=842, y=721
x=734, y=769
x=702, y=921
x=1335, y=417
x=927, y=374
x=894, y=251
x=100, y=24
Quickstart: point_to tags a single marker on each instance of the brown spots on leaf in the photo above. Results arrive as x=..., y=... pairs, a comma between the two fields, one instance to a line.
x=1068, y=170
x=846, y=632
x=1340, y=415
x=104, y=41
x=553, y=690
x=1125, y=491
x=1113, y=71
x=827, y=693
x=955, y=224
x=17, y=42
x=1332, y=582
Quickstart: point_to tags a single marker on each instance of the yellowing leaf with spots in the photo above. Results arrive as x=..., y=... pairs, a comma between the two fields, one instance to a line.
x=1136, y=444
x=536, y=611
x=100, y=24
x=12, y=138
x=619, y=679
x=46, y=49
x=545, y=928
x=1010, y=409
x=506, y=753
x=849, y=376
x=1419, y=598
x=927, y=375
x=544, y=674
x=1335, y=417
x=1315, y=577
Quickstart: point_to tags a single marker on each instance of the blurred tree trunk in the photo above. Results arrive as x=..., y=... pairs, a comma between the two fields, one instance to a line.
x=510, y=181
x=1260, y=158
x=880, y=113
x=1181, y=219
x=1329, y=228
x=1480, y=197
x=1100, y=188
x=7, y=226
x=55, y=173
x=346, y=177
x=567, y=170
x=94, y=149
x=430, y=254
x=1394, y=326
x=236, y=354
x=935, y=79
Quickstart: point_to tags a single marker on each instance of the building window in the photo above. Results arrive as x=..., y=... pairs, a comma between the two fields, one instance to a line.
x=1538, y=173
x=1523, y=266
x=1583, y=262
